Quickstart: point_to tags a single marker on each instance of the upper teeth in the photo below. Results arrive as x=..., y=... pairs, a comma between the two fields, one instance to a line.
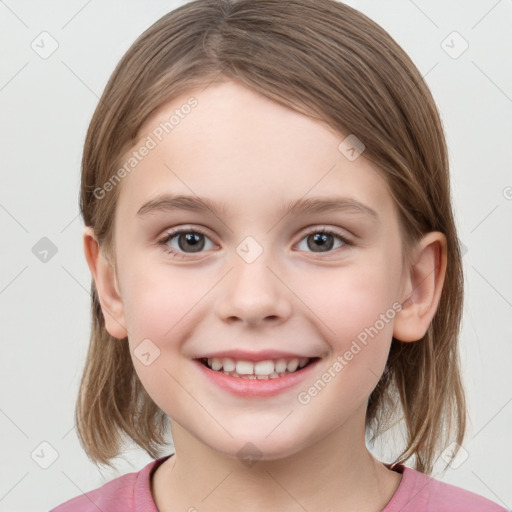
x=260, y=368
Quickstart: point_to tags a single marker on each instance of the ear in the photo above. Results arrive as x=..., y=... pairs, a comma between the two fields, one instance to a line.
x=422, y=288
x=106, y=285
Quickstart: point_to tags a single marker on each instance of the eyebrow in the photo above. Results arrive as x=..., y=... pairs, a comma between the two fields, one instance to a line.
x=314, y=205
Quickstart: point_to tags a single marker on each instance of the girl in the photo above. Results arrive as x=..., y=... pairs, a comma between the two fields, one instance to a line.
x=275, y=266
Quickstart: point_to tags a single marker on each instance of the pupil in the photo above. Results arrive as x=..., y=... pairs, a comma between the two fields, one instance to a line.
x=323, y=240
x=194, y=239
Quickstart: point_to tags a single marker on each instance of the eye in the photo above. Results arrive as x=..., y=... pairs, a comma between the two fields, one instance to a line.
x=323, y=239
x=184, y=241
x=188, y=241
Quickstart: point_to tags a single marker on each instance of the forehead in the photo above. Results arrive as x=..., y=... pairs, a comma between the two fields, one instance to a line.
x=235, y=146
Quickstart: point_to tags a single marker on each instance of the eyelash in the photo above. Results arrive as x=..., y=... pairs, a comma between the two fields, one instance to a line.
x=175, y=254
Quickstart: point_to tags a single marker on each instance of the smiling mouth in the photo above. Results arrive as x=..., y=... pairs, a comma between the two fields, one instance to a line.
x=260, y=370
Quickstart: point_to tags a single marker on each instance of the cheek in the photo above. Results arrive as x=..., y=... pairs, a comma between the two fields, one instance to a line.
x=355, y=309
x=348, y=301
x=161, y=307
x=357, y=314
x=156, y=313
x=156, y=302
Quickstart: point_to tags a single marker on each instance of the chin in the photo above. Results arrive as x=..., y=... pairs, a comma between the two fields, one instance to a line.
x=250, y=449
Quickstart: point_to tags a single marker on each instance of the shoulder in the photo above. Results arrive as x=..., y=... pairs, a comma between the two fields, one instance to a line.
x=130, y=492
x=421, y=493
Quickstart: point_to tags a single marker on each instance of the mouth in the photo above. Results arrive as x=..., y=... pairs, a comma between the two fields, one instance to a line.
x=258, y=374
x=267, y=369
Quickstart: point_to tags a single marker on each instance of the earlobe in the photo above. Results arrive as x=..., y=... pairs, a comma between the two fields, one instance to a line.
x=422, y=288
x=106, y=284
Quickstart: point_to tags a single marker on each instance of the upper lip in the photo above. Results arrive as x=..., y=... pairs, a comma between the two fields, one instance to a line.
x=244, y=355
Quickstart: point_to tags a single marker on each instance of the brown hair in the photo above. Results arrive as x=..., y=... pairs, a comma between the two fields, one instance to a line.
x=332, y=63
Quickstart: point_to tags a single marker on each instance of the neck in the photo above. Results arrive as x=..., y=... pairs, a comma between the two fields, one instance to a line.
x=336, y=470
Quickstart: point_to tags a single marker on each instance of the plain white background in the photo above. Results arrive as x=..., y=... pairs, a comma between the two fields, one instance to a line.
x=47, y=104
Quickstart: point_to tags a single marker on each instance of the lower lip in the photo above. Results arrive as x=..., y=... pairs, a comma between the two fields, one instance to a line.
x=256, y=387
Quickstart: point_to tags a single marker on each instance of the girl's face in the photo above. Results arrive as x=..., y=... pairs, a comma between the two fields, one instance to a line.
x=251, y=279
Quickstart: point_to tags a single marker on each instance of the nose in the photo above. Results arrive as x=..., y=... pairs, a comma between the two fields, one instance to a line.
x=254, y=294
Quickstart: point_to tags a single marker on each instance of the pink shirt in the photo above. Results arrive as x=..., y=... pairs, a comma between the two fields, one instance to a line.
x=416, y=493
